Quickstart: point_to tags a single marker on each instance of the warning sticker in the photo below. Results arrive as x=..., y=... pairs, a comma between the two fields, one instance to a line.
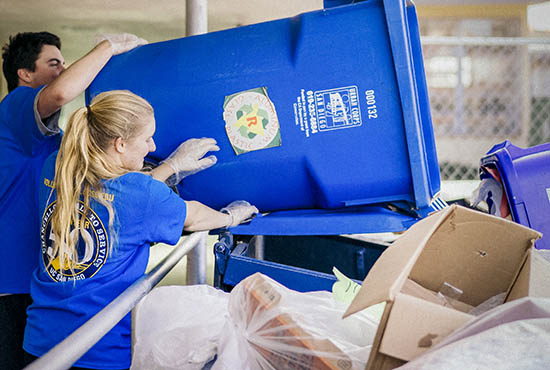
x=325, y=110
x=251, y=121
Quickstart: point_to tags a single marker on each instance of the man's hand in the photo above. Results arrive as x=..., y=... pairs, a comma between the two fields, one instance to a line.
x=122, y=42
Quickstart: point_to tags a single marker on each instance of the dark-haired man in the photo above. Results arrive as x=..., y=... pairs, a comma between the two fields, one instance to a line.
x=38, y=85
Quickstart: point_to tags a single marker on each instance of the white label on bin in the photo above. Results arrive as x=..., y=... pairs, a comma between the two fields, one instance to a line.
x=548, y=193
x=326, y=110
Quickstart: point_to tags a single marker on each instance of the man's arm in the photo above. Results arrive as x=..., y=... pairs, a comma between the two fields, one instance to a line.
x=74, y=80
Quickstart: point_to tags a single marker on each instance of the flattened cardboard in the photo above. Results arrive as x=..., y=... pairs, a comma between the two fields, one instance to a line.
x=480, y=254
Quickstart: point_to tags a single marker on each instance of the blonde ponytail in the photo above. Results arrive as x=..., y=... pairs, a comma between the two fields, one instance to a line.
x=82, y=164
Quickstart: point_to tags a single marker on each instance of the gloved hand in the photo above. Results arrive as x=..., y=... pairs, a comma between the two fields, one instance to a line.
x=188, y=159
x=121, y=42
x=240, y=211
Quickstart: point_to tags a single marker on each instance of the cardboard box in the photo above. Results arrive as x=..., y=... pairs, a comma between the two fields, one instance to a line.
x=480, y=254
x=306, y=351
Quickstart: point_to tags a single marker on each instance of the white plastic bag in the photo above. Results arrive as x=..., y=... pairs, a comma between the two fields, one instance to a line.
x=260, y=325
x=272, y=327
x=178, y=327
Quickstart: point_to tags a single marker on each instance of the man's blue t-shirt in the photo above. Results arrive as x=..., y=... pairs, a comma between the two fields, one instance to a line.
x=23, y=150
x=145, y=211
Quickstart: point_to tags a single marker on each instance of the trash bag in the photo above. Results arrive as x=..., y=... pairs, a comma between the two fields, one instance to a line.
x=260, y=325
x=178, y=327
x=274, y=328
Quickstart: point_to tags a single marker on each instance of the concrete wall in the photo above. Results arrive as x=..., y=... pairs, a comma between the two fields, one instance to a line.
x=77, y=22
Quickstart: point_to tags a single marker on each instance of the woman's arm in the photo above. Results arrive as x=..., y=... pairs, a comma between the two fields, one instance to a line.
x=201, y=217
x=162, y=172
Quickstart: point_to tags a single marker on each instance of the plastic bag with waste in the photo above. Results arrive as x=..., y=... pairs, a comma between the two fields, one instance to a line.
x=260, y=325
x=178, y=327
x=272, y=327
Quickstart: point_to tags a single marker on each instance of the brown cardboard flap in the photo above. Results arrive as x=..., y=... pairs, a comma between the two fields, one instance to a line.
x=432, y=323
x=540, y=275
x=416, y=290
x=390, y=271
x=533, y=279
x=475, y=252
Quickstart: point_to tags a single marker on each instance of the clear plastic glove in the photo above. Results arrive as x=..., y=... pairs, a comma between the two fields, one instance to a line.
x=240, y=211
x=121, y=42
x=189, y=159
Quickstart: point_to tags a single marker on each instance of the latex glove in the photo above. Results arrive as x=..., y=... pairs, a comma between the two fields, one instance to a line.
x=189, y=159
x=121, y=42
x=240, y=211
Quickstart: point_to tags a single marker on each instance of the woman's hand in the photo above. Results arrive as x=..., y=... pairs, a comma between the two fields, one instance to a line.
x=240, y=211
x=189, y=158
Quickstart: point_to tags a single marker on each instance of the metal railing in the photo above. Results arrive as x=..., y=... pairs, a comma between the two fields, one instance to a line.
x=67, y=352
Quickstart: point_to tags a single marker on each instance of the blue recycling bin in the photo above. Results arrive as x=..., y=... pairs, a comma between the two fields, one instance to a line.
x=325, y=110
x=525, y=175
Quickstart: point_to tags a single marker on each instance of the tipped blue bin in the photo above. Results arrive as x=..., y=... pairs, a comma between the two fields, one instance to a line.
x=525, y=175
x=325, y=110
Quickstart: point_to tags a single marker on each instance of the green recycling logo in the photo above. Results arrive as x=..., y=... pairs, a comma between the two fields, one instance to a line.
x=251, y=121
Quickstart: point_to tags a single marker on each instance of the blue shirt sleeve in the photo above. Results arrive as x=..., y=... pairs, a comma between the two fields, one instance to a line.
x=165, y=215
x=22, y=118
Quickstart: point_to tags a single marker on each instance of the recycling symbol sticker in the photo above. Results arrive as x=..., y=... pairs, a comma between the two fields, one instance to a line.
x=251, y=121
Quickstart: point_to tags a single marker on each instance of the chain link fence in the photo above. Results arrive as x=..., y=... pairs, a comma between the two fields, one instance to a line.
x=484, y=90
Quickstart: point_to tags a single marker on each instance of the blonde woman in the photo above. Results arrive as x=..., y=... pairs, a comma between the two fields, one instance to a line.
x=100, y=214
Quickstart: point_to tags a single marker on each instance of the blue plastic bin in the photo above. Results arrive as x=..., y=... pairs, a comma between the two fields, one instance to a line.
x=525, y=175
x=305, y=265
x=346, y=86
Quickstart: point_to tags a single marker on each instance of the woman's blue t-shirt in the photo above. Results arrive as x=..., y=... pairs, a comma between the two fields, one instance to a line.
x=146, y=211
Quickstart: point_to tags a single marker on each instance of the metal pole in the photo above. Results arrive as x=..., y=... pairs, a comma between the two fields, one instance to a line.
x=258, y=244
x=196, y=17
x=66, y=353
x=196, y=23
x=196, y=262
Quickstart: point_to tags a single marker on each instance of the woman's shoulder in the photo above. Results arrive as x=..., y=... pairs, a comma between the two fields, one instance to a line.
x=136, y=176
x=138, y=180
x=132, y=178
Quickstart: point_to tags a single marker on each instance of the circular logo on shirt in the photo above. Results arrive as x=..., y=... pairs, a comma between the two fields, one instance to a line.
x=91, y=248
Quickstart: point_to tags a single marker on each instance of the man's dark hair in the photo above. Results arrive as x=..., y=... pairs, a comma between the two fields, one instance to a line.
x=22, y=51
